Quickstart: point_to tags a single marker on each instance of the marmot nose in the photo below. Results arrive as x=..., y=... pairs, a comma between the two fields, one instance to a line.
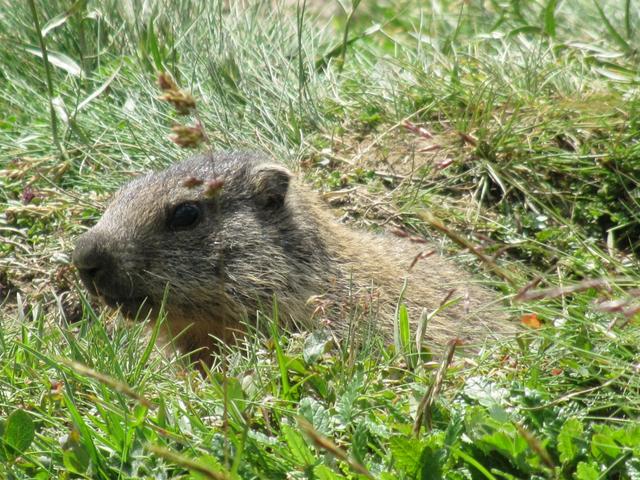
x=90, y=259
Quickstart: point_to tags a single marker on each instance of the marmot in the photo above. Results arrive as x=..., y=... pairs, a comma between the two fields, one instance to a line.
x=223, y=235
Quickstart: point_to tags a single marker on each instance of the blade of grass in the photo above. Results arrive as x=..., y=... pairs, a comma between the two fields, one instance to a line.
x=47, y=71
x=627, y=19
x=85, y=433
x=550, y=18
x=423, y=412
x=622, y=43
x=188, y=463
x=58, y=20
x=345, y=36
x=473, y=462
x=282, y=362
x=117, y=385
x=155, y=332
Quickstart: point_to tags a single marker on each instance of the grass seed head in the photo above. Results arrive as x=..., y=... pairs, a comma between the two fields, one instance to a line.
x=166, y=82
x=182, y=101
x=187, y=136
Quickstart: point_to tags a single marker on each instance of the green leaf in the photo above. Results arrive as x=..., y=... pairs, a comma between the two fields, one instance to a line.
x=210, y=461
x=235, y=393
x=199, y=466
x=112, y=423
x=322, y=472
x=419, y=458
x=474, y=463
x=403, y=319
x=433, y=457
x=19, y=432
x=587, y=471
x=603, y=447
x=550, y=18
x=630, y=436
x=360, y=442
x=612, y=31
x=295, y=364
x=315, y=345
x=322, y=62
x=76, y=458
x=571, y=432
x=484, y=391
x=406, y=454
x=507, y=442
x=298, y=446
x=152, y=44
x=161, y=417
x=62, y=18
x=320, y=384
x=84, y=432
x=345, y=405
x=147, y=352
x=388, y=476
x=59, y=60
x=282, y=364
x=498, y=413
x=527, y=29
x=230, y=391
x=316, y=414
x=615, y=75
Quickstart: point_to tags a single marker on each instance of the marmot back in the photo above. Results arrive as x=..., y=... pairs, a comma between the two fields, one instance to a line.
x=222, y=235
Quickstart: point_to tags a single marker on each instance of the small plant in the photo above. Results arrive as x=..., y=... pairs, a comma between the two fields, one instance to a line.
x=184, y=104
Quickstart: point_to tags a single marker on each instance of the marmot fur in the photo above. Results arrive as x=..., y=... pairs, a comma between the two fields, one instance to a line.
x=225, y=234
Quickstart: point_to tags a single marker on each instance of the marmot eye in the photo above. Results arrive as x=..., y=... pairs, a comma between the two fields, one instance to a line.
x=185, y=215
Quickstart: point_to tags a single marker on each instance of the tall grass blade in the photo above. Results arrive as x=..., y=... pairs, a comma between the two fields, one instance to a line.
x=612, y=31
x=281, y=359
x=345, y=37
x=627, y=19
x=47, y=70
x=61, y=19
x=550, y=18
x=96, y=93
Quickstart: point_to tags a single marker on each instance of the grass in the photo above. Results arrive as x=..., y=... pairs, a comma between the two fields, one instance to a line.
x=515, y=124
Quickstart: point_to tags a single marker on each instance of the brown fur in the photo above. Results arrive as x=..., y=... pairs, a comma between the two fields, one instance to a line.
x=264, y=234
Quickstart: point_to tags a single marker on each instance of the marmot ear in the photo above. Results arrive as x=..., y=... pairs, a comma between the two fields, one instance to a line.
x=270, y=185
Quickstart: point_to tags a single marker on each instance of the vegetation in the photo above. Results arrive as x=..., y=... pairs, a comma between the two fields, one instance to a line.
x=515, y=124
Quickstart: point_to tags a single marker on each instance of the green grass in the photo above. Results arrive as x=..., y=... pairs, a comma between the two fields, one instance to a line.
x=529, y=149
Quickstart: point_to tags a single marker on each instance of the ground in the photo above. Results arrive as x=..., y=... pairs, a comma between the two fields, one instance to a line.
x=514, y=126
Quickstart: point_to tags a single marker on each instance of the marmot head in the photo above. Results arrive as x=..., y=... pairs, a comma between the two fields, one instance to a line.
x=199, y=232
